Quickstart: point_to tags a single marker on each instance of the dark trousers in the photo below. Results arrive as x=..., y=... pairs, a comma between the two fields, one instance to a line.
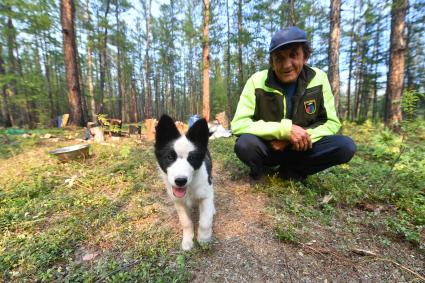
x=327, y=152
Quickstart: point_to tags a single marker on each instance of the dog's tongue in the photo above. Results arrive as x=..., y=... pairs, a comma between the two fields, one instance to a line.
x=179, y=192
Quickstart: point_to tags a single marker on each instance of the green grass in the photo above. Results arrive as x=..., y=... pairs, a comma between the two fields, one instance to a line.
x=113, y=205
x=367, y=179
x=51, y=214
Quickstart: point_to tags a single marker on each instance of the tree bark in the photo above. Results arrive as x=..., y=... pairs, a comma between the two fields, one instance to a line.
x=375, y=77
x=412, y=60
x=71, y=68
x=5, y=108
x=228, y=77
x=11, y=85
x=134, y=104
x=120, y=83
x=90, y=66
x=291, y=12
x=393, y=116
x=148, y=101
x=206, y=63
x=53, y=110
x=350, y=66
x=240, y=51
x=357, y=67
x=334, y=41
x=103, y=57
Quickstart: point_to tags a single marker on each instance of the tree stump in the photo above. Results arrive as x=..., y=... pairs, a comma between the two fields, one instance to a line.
x=97, y=133
x=150, y=129
x=180, y=127
x=222, y=119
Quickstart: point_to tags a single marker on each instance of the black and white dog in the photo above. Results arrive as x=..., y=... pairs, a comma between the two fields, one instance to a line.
x=186, y=166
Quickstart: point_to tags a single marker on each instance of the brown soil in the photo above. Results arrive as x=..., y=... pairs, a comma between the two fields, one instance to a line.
x=246, y=250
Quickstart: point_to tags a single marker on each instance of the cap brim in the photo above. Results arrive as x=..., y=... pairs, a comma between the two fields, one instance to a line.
x=286, y=43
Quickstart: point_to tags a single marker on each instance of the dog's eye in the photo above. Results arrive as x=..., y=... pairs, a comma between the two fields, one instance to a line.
x=194, y=157
x=171, y=156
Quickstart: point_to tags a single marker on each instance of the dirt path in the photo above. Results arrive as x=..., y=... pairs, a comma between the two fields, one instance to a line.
x=245, y=249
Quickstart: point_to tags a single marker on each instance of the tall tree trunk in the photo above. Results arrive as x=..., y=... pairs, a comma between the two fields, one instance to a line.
x=357, y=67
x=11, y=85
x=228, y=77
x=412, y=60
x=240, y=55
x=335, y=33
x=148, y=101
x=192, y=100
x=172, y=76
x=82, y=94
x=142, y=94
x=53, y=110
x=350, y=65
x=58, y=83
x=103, y=58
x=158, y=104
x=29, y=105
x=109, y=82
x=291, y=12
x=134, y=104
x=206, y=63
x=375, y=77
x=121, y=111
x=393, y=114
x=70, y=56
x=5, y=107
x=90, y=66
x=363, y=87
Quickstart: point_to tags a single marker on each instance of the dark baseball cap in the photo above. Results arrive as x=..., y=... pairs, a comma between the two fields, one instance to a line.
x=286, y=36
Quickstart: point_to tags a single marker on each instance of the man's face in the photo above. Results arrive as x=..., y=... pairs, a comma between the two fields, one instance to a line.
x=287, y=63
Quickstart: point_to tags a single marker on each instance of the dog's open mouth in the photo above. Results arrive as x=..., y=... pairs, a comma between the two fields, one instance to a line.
x=179, y=192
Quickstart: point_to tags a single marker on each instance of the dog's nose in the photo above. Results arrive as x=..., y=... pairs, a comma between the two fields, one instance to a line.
x=181, y=181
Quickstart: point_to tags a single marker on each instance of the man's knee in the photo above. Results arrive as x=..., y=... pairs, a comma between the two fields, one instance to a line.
x=246, y=144
x=346, y=148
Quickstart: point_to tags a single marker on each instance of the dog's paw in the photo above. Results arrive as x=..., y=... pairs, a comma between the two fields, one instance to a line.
x=187, y=245
x=204, y=239
x=204, y=234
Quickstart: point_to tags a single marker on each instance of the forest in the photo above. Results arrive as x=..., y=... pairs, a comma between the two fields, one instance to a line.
x=106, y=216
x=137, y=60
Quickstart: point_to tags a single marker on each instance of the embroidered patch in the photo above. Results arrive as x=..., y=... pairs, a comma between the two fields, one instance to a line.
x=310, y=106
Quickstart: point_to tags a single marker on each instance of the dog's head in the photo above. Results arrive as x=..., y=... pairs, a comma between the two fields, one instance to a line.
x=179, y=155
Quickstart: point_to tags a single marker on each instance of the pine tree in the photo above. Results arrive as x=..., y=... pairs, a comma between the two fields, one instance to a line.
x=70, y=56
x=393, y=114
x=334, y=50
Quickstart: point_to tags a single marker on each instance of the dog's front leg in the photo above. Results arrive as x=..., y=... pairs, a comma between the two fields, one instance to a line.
x=206, y=214
x=187, y=225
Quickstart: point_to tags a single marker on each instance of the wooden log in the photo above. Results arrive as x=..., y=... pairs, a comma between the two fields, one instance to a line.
x=97, y=134
x=180, y=127
x=150, y=129
x=222, y=119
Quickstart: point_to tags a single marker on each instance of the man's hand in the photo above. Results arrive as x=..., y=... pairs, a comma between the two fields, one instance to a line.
x=279, y=145
x=300, y=139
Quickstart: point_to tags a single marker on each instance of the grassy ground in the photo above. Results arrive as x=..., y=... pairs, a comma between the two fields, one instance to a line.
x=108, y=217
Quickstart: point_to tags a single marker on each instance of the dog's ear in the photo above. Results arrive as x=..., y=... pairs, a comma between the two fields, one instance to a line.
x=199, y=133
x=165, y=131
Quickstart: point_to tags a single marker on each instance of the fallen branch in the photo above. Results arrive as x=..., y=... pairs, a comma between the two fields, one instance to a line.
x=324, y=251
x=131, y=264
x=401, y=267
x=375, y=257
x=363, y=252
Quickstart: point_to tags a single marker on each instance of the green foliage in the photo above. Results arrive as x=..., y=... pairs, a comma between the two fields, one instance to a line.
x=111, y=205
x=352, y=185
x=53, y=214
x=287, y=234
x=222, y=150
x=409, y=104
